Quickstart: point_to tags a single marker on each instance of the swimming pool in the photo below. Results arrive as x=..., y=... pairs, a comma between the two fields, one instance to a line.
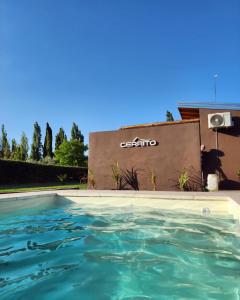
x=52, y=251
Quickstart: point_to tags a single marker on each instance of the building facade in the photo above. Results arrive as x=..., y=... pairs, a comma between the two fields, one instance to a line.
x=166, y=150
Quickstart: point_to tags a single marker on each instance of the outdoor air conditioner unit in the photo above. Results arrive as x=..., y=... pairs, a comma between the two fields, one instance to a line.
x=219, y=120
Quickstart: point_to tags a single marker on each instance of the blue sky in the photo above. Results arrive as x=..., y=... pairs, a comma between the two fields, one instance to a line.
x=109, y=63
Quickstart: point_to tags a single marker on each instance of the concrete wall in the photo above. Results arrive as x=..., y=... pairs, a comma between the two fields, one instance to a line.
x=178, y=149
x=225, y=161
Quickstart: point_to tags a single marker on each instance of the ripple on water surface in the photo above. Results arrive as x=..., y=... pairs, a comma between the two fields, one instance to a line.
x=118, y=254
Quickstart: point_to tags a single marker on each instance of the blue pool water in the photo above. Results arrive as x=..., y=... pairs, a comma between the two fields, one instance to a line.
x=112, y=253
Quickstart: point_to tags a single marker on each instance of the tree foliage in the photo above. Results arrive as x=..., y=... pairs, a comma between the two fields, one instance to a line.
x=76, y=133
x=71, y=153
x=169, y=116
x=67, y=153
x=20, y=151
x=14, y=150
x=24, y=148
x=36, y=149
x=4, y=144
x=60, y=138
x=47, y=147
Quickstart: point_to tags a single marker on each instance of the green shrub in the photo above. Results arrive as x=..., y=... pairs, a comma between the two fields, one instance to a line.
x=91, y=179
x=71, y=153
x=62, y=178
x=183, y=181
x=153, y=178
x=116, y=175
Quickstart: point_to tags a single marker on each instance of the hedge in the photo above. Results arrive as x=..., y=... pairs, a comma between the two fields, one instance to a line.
x=16, y=172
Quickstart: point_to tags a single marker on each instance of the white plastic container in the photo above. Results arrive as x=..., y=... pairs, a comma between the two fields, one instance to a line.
x=212, y=182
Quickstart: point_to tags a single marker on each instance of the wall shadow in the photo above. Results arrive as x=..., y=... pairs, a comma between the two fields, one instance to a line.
x=233, y=131
x=129, y=178
x=228, y=184
x=211, y=164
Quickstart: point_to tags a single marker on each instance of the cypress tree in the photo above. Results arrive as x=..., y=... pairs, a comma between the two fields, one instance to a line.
x=60, y=138
x=76, y=134
x=36, y=149
x=16, y=151
x=13, y=149
x=24, y=147
x=47, y=147
x=20, y=152
x=5, y=147
x=169, y=116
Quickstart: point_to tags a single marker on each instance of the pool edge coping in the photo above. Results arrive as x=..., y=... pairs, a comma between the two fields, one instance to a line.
x=177, y=195
x=231, y=197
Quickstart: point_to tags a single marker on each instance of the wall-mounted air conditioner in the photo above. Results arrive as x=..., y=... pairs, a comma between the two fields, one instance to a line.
x=219, y=120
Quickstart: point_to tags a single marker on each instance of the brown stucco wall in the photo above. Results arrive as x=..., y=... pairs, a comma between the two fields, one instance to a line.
x=178, y=149
x=227, y=160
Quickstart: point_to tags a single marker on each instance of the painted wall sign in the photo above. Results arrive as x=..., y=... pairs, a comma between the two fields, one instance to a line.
x=137, y=142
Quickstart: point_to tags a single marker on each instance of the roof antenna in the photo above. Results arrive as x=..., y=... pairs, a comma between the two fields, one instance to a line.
x=215, y=76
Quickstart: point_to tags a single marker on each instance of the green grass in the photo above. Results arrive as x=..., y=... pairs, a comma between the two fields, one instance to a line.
x=5, y=189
